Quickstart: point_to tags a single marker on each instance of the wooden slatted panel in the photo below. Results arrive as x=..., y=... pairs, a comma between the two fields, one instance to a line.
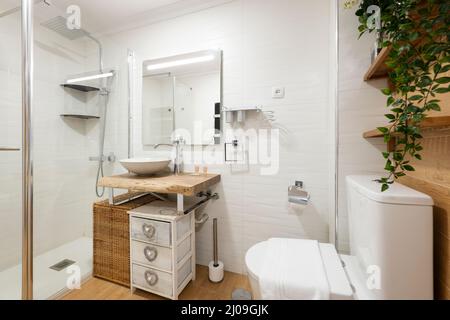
x=441, y=197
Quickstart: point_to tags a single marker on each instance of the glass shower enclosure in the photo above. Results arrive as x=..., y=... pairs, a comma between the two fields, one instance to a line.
x=63, y=100
x=10, y=151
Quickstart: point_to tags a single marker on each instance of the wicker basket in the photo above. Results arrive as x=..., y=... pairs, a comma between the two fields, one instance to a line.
x=111, y=239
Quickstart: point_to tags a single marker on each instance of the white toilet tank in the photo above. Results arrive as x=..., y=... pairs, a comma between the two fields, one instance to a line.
x=391, y=238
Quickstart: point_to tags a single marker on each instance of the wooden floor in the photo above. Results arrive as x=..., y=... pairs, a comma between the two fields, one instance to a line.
x=200, y=289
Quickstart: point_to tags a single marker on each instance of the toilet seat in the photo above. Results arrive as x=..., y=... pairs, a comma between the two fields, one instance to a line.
x=254, y=259
x=339, y=285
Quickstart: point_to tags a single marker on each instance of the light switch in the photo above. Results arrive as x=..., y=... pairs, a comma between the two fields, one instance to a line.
x=278, y=92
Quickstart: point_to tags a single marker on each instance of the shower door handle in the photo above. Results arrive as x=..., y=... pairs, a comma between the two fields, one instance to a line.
x=9, y=149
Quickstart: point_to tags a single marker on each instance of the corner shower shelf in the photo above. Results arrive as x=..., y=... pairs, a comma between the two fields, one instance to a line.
x=80, y=116
x=427, y=123
x=80, y=87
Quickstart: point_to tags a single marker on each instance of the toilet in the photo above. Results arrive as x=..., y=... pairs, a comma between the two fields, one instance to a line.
x=340, y=288
x=391, y=246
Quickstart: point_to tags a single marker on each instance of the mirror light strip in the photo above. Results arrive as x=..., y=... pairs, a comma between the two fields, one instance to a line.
x=181, y=62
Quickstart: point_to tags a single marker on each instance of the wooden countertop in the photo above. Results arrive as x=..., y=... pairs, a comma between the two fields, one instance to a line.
x=186, y=183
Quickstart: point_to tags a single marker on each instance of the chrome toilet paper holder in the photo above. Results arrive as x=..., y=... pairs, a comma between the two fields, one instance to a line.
x=297, y=195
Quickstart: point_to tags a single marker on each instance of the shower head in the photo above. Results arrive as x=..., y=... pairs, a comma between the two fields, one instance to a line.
x=59, y=25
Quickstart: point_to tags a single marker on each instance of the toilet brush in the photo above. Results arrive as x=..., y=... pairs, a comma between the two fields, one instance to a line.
x=215, y=266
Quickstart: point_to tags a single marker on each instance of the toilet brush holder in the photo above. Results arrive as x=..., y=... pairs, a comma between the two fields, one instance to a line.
x=216, y=268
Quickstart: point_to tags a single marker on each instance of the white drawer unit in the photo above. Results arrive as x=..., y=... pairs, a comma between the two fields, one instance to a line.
x=162, y=245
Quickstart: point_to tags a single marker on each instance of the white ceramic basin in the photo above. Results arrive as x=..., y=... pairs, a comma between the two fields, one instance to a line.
x=145, y=166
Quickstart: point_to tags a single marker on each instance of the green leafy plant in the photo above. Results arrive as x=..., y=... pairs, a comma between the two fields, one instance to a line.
x=417, y=32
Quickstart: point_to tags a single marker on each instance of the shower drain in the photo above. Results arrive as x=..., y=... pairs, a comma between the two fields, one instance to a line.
x=62, y=265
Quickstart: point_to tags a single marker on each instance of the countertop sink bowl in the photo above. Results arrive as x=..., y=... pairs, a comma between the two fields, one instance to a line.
x=145, y=166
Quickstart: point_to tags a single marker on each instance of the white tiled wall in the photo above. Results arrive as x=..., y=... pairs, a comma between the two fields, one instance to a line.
x=361, y=108
x=10, y=162
x=265, y=43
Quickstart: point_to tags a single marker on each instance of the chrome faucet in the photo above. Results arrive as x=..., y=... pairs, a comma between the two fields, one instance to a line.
x=177, y=142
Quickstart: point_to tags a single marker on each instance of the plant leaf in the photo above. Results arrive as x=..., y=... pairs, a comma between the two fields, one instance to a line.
x=386, y=91
x=443, y=80
x=442, y=90
x=390, y=100
x=383, y=129
x=416, y=97
x=434, y=106
x=408, y=167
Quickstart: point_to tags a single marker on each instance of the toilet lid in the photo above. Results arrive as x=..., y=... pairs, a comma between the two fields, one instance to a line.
x=338, y=282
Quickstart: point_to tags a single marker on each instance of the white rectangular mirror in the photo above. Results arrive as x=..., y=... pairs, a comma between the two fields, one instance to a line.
x=182, y=97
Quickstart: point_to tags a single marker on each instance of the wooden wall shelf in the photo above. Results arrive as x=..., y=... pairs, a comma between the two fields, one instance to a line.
x=378, y=69
x=428, y=123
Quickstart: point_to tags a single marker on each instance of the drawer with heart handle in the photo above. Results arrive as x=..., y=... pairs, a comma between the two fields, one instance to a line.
x=152, y=231
x=159, y=281
x=151, y=255
x=154, y=280
x=157, y=256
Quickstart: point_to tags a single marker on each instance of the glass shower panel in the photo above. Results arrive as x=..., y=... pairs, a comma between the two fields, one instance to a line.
x=10, y=150
x=80, y=97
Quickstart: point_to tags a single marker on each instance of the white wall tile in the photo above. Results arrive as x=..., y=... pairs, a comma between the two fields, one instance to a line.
x=361, y=108
x=265, y=43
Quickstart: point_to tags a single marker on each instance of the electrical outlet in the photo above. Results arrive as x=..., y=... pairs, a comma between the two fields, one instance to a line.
x=278, y=92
